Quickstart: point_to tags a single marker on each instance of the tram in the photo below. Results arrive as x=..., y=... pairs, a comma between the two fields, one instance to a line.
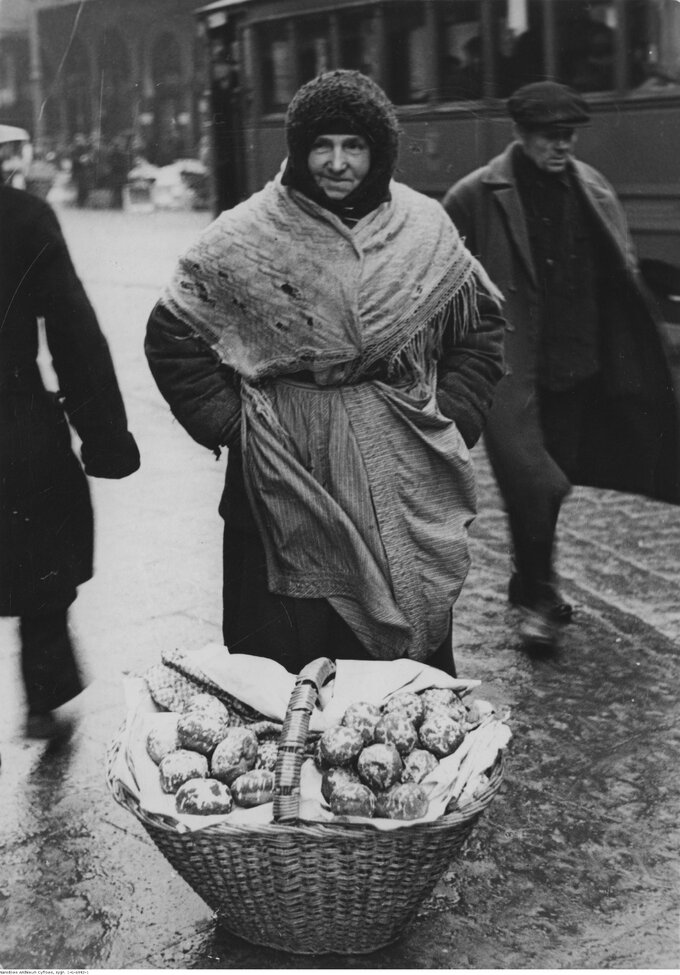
x=448, y=66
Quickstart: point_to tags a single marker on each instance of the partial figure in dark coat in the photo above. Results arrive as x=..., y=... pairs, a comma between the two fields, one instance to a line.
x=46, y=521
x=82, y=169
x=118, y=164
x=588, y=398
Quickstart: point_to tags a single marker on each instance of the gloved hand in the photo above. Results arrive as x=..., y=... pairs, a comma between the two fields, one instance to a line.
x=114, y=458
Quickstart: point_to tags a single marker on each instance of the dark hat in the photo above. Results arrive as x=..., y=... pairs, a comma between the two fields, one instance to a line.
x=348, y=102
x=547, y=103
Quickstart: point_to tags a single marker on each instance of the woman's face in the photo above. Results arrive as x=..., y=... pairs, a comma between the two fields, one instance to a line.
x=338, y=163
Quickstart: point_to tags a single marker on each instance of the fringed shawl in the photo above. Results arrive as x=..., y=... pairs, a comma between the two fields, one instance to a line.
x=278, y=284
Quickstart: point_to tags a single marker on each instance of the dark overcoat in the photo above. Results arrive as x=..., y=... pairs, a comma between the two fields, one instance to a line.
x=46, y=525
x=632, y=442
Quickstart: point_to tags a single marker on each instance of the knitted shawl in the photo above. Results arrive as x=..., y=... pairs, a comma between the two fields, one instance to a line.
x=278, y=284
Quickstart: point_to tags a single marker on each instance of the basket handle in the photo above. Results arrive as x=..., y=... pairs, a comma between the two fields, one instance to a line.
x=294, y=737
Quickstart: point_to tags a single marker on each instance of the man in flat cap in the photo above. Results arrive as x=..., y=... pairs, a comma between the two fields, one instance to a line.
x=588, y=396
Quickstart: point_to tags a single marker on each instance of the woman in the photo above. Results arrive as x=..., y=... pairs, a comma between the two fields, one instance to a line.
x=335, y=334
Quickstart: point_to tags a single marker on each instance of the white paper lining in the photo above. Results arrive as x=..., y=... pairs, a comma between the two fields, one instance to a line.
x=266, y=686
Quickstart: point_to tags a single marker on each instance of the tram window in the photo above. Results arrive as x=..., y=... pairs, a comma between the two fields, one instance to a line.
x=278, y=71
x=312, y=47
x=407, y=53
x=653, y=33
x=461, y=65
x=586, y=42
x=358, y=41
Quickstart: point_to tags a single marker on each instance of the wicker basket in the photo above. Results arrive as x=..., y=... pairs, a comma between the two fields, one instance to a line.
x=308, y=888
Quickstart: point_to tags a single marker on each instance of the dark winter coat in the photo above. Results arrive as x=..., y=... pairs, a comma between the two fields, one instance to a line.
x=638, y=453
x=46, y=525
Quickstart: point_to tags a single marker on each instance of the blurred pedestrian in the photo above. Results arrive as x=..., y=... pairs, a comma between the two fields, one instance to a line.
x=46, y=521
x=82, y=168
x=588, y=398
x=118, y=166
x=335, y=334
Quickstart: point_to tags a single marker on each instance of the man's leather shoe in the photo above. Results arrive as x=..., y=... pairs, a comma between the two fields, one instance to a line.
x=552, y=603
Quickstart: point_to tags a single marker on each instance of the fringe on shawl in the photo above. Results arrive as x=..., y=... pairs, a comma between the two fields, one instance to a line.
x=416, y=359
x=261, y=405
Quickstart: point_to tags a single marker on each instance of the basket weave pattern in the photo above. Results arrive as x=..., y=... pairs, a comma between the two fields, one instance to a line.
x=311, y=888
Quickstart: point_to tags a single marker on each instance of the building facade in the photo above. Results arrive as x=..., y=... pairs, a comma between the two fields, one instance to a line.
x=102, y=69
x=15, y=88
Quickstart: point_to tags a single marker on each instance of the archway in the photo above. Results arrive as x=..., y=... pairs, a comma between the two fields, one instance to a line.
x=115, y=73
x=168, y=140
x=77, y=89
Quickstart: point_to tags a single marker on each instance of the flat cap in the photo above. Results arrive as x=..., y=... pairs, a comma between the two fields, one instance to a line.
x=546, y=103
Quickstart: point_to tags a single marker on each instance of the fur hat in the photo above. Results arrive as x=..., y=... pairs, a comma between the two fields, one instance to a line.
x=343, y=102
